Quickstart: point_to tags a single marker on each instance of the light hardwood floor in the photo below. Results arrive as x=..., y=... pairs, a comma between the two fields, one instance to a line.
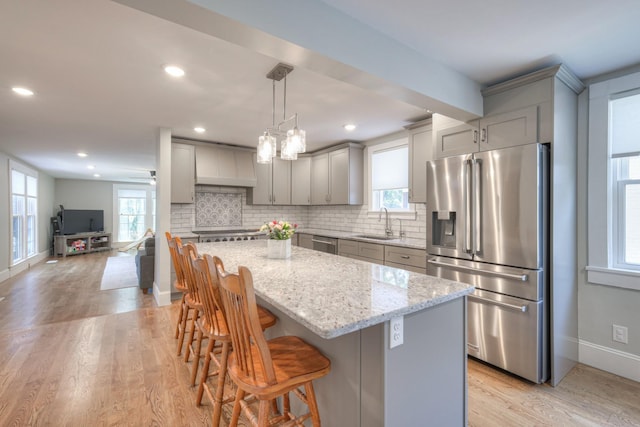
x=72, y=355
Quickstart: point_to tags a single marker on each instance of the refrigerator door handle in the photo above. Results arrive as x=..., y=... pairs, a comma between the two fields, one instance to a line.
x=518, y=277
x=477, y=206
x=468, y=168
x=522, y=308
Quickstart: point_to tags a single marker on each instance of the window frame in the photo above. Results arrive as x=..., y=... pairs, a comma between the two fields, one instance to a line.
x=24, y=235
x=602, y=265
x=396, y=143
x=150, y=205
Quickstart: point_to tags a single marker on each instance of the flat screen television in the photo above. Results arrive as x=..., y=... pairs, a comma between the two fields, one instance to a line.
x=73, y=221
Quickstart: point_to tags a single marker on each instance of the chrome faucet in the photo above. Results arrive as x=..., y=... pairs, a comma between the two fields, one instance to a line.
x=401, y=233
x=387, y=225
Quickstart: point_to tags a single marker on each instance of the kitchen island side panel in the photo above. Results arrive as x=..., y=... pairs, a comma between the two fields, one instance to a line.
x=425, y=378
x=370, y=385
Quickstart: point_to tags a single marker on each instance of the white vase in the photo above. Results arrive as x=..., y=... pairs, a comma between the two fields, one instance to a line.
x=278, y=249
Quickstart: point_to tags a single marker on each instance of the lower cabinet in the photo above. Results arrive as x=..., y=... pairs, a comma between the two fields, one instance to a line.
x=361, y=250
x=406, y=258
x=305, y=240
x=392, y=256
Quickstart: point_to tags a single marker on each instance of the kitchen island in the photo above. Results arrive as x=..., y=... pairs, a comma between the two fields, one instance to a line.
x=344, y=307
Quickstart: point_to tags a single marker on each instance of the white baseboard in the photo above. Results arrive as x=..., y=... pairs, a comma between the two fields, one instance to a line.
x=162, y=298
x=24, y=265
x=4, y=275
x=611, y=360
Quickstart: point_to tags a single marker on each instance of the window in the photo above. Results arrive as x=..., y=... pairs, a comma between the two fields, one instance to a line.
x=624, y=118
x=136, y=208
x=389, y=165
x=613, y=182
x=24, y=212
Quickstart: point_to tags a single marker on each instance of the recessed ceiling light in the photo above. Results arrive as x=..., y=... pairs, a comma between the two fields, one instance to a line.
x=81, y=154
x=174, y=71
x=349, y=127
x=97, y=175
x=199, y=129
x=91, y=167
x=22, y=91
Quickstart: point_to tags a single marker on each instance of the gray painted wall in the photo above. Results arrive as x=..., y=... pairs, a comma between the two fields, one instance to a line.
x=4, y=213
x=85, y=194
x=45, y=200
x=599, y=306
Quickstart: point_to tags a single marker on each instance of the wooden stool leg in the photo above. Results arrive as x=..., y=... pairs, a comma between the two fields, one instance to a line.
x=194, y=318
x=183, y=324
x=263, y=413
x=205, y=371
x=222, y=376
x=312, y=404
x=180, y=314
x=236, y=408
x=196, y=357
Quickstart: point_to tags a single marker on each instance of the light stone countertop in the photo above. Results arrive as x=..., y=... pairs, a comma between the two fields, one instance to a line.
x=333, y=295
x=406, y=242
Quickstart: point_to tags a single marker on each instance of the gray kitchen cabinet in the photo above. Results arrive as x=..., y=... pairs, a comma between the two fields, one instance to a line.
x=364, y=251
x=406, y=258
x=320, y=179
x=182, y=173
x=305, y=240
x=420, y=151
x=301, y=181
x=273, y=183
x=224, y=165
x=506, y=129
x=336, y=176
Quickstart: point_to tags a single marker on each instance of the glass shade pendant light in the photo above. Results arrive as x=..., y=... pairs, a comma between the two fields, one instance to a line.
x=287, y=150
x=267, y=148
x=294, y=141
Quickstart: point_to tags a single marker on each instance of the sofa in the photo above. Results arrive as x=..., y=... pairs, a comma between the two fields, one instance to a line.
x=145, y=264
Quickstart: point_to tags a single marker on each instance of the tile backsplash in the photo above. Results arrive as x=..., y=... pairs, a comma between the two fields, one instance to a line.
x=221, y=203
x=218, y=210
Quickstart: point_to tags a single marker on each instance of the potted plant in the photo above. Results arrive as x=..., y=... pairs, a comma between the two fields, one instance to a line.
x=279, y=235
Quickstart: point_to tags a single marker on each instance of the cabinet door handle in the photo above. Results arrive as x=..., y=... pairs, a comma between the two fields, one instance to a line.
x=484, y=135
x=475, y=136
x=405, y=256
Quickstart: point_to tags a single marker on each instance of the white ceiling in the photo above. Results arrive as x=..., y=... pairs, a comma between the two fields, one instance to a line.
x=96, y=68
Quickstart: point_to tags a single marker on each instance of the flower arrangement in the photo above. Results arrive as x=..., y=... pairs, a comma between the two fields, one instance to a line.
x=279, y=230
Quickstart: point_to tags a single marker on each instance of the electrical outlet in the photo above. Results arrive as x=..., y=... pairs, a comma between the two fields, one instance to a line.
x=621, y=334
x=396, y=331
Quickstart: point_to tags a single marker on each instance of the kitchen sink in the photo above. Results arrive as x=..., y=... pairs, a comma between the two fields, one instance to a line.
x=374, y=237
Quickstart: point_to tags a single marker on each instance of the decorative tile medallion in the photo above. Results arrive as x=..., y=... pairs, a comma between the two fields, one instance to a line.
x=218, y=209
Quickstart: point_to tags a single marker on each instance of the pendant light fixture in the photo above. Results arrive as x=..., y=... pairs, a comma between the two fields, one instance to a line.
x=294, y=139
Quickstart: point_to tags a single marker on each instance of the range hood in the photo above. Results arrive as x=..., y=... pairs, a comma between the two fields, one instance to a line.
x=225, y=166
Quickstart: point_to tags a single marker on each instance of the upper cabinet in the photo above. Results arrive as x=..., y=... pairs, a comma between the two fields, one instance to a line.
x=225, y=166
x=301, y=181
x=336, y=176
x=273, y=186
x=182, y=173
x=507, y=129
x=420, y=151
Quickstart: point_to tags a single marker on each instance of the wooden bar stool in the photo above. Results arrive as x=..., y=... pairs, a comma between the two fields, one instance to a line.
x=213, y=325
x=179, y=284
x=193, y=304
x=266, y=369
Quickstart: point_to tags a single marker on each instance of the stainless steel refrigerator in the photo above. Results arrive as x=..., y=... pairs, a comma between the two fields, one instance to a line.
x=487, y=225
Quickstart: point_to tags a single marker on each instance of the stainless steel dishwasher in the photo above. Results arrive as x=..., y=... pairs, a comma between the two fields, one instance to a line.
x=325, y=244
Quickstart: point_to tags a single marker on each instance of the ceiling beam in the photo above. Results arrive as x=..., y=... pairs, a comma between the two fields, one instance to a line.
x=312, y=35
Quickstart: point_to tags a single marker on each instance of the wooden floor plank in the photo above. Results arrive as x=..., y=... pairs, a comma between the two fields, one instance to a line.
x=72, y=355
